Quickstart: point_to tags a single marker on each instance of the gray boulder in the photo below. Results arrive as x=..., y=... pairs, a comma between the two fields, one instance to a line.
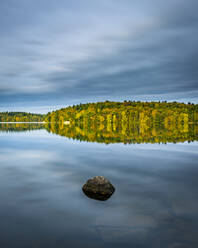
x=98, y=188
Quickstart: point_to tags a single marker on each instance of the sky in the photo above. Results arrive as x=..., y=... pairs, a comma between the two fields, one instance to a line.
x=55, y=53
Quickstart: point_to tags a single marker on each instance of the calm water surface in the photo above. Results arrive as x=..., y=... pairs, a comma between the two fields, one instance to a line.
x=42, y=205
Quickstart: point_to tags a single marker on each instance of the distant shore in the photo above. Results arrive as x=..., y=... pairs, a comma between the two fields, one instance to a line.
x=10, y=122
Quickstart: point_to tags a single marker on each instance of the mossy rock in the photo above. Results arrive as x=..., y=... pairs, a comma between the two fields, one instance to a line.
x=98, y=188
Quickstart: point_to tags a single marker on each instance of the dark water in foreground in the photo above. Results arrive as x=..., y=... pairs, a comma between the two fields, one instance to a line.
x=42, y=205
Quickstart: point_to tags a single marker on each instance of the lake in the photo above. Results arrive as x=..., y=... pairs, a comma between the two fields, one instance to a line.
x=155, y=203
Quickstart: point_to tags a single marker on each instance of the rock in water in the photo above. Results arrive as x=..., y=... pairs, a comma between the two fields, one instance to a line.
x=98, y=188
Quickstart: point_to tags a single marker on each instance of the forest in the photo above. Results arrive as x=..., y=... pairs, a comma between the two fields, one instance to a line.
x=127, y=111
x=20, y=117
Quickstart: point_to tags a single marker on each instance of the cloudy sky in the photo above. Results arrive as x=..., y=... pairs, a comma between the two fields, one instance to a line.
x=55, y=53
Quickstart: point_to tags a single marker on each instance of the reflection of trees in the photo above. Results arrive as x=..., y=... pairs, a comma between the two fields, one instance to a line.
x=124, y=132
x=20, y=127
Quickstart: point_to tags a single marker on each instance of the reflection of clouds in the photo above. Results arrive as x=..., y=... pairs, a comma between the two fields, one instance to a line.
x=121, y=234
x=169, y=231
x=30, y=156
x=125, y=219
x=181, y=147
x=178, y=245
x=154, y=205
x=185, y=207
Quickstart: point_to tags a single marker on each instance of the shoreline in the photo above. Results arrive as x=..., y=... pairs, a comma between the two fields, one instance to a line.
x=22, y=122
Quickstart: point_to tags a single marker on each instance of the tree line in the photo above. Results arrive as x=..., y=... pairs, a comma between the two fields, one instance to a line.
x=21, y=117
x=127, y=111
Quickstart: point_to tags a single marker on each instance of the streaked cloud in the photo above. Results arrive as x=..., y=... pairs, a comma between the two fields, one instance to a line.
x=61, y=53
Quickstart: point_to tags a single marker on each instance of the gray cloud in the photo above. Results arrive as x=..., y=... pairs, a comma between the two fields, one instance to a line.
x=59, y=53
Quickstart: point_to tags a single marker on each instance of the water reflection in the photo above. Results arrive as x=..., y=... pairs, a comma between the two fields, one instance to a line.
x=20, y=127
x=96, y=196
x=115, y=133
x=42, y=204
x=123, y=133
